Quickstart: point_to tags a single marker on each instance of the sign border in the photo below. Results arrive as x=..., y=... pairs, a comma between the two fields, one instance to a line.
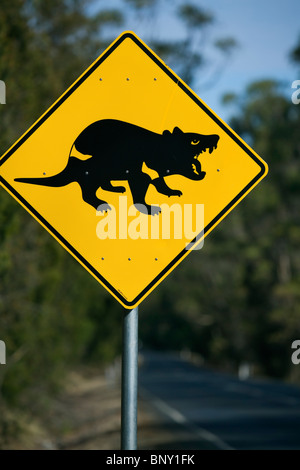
x=118, y=295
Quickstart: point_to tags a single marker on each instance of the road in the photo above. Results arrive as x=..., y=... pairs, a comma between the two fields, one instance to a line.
x=219, y=408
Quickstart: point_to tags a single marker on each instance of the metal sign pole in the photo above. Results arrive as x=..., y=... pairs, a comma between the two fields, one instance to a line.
x=129, y=381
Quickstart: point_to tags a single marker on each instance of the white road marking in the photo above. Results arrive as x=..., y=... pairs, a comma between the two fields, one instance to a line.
x=180, y=419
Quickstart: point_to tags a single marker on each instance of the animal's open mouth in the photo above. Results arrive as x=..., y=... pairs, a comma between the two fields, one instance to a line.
x=210, y=148
x=196, y=166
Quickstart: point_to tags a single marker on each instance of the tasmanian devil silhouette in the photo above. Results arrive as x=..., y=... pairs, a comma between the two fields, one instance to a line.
x=118, y=150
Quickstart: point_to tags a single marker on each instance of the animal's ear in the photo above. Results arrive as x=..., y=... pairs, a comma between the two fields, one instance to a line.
x=166, y=132
x=177, y=131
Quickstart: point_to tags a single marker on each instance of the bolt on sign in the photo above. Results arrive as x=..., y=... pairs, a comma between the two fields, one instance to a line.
x=129, y=170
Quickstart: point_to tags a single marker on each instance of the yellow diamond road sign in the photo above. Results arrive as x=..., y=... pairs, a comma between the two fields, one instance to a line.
x=129, y=170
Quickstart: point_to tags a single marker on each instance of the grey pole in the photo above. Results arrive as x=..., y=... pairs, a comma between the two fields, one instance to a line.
x=129, y=381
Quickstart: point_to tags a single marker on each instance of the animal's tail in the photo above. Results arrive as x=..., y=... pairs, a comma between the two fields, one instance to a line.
x=61, y=179
x=55, y=181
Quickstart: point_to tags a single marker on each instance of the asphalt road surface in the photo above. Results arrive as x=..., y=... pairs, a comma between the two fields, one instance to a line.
x=220, y=409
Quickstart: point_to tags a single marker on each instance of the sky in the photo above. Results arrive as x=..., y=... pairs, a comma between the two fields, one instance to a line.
x=265, y=30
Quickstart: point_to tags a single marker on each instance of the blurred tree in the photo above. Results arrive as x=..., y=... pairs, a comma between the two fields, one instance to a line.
x=188, y=51
x=47, y=321
x=271, y=121
x=240, y=293
x=295, y=53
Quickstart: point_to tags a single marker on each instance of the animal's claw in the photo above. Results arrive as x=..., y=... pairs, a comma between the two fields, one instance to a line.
x=104, y=208
x=155, y=210
x=174, y=192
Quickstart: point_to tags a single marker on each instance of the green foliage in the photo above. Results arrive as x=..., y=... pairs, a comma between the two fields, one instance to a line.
x=226, y=45
x=234, y=301
x=295, y=53
x=139, y=4
x=240, y=293
x=53, y=314
x=187, y=53
x=195, y=17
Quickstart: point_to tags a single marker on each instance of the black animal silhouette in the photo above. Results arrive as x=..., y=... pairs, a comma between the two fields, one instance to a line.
x=118, y=150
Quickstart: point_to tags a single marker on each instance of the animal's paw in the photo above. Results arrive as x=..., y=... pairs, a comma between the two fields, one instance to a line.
x=155, y=210
x=148, y=210
x=119, y=189
x=175, y=192
x=103, y=207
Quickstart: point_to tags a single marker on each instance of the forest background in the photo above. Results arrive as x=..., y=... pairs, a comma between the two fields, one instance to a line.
x=235, y=302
